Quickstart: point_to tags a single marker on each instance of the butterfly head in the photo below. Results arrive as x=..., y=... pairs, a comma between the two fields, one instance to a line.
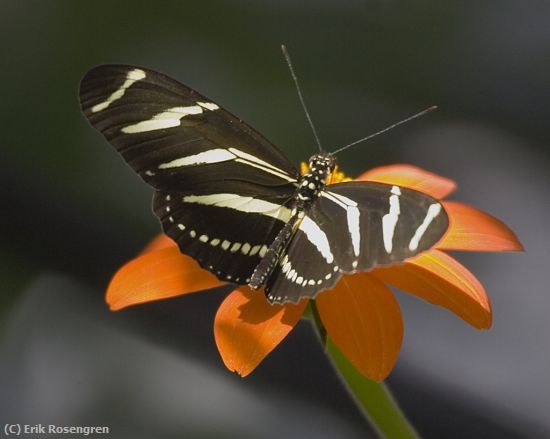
x=315, y=177
x=322, y=165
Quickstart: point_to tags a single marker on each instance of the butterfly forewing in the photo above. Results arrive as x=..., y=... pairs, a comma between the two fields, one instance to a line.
x=174, y=137
x=378, y=224
x=355, y=226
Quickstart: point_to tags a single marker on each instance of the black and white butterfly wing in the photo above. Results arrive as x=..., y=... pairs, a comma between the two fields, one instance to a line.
x=169, y=134
x=355, y=226
x=227, y=233
x=214, y=175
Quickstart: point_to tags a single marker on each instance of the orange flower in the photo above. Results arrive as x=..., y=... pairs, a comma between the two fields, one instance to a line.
x=360, y=313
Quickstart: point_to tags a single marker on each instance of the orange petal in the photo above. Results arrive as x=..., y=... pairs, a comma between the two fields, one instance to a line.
x=158, y=242
x=363, y=319
x=247, y=328
x=472, y=229
x=441, y=280
x=411, y=177
x=158, y=274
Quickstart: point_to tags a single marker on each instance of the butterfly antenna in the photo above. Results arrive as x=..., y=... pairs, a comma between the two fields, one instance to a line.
x=295, y=78
x=401, y=122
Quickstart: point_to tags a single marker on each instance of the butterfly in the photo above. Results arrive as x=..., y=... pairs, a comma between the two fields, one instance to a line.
x=232, y=201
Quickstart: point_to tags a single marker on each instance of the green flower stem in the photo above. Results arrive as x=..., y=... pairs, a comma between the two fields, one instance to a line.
x=373, y=399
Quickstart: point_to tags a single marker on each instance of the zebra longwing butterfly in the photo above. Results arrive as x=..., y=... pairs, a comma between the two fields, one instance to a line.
x=235, y=203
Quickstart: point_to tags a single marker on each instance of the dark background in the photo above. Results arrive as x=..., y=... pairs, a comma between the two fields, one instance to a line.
x=72, y=212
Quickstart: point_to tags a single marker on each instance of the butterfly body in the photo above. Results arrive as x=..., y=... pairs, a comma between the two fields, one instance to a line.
x=309, y=188
x=233, y=201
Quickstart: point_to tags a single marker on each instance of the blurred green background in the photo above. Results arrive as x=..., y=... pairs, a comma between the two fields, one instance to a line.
x=73, y=212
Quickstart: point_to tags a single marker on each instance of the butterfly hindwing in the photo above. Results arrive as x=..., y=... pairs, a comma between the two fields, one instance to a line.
x=355, y=226
x=302, y=271
x=227, y=233
x=172, y=136
x=377, y=224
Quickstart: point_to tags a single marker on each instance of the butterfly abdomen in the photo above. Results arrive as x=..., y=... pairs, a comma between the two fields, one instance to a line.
x=268, y=263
